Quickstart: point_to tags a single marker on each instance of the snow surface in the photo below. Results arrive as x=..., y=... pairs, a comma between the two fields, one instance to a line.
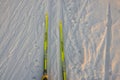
x=91, y=34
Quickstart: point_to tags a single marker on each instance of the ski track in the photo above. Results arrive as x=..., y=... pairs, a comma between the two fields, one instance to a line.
x=53, y=56
x=108, y=45
x=91, y=39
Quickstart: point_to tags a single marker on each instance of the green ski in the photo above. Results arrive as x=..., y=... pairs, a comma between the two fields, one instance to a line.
x=63, y=65
x=45, y=75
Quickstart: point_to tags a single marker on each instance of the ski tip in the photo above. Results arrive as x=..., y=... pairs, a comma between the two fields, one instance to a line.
x=46, y=14
x=46, y=21
x=60, y=24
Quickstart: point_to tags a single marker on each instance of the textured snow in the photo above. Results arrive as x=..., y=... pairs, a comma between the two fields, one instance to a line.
x=91, y=39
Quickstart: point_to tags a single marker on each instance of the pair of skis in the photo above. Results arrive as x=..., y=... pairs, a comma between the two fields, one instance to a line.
x=62, y=55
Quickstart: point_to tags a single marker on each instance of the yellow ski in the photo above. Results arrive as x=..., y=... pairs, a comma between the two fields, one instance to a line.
x=45, y=75
x=63, y=65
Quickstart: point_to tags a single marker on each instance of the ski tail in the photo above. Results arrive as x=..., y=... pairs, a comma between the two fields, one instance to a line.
x=45, y=76
x=62, y=54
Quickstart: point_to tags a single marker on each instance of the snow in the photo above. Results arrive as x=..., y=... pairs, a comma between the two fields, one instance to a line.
x=91, y=39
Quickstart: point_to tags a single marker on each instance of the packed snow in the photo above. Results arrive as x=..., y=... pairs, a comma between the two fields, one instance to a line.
x=91, y=39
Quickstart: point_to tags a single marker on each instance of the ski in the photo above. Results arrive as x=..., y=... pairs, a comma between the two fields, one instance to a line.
x=62, y=54
x=45, y=75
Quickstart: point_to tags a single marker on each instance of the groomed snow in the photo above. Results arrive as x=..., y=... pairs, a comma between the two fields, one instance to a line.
x=91, y=39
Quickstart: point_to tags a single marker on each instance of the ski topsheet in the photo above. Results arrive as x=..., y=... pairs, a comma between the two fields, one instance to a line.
x=45, y=75
x=62, y=55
